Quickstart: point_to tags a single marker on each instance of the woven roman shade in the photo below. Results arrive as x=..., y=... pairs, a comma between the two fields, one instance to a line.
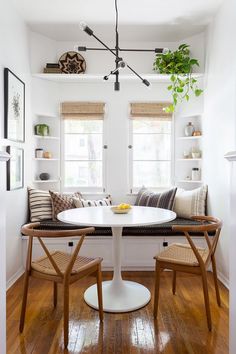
x=149, y=110
x=83, y=110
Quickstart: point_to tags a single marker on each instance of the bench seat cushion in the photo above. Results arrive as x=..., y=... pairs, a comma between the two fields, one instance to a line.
x=152, y=230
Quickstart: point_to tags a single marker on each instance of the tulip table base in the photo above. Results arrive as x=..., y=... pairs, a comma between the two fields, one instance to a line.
x=118, y=295
x=124, y=297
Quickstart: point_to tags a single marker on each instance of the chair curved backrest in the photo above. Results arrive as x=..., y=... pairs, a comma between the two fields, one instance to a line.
x=209, y=224
x=32, y=231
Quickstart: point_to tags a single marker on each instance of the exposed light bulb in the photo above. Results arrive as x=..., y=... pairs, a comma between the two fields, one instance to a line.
x=83, y=25
x=165, y=50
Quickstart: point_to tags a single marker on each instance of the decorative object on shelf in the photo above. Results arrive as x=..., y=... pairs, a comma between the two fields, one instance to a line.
x=119, y=62
x=196, y=153
x=197, y=133
x=15, y=168
x=179, y=65
x=72, y=63
x=187, y=178
x=186, y=154
x=189, y=129
x=39, y=153
x=196, y=174
x=52, y=68
x=52, y=71
x=14, y=107
x=47, y=155
x=41, y=129
x=44, y=176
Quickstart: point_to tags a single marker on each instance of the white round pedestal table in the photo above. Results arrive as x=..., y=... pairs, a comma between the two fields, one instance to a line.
x=118, y=295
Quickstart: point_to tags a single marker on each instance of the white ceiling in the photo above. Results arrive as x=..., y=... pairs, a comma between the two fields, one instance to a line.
x=158, y=20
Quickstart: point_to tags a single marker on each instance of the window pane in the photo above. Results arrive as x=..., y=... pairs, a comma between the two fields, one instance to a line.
x=151, y=174
x=151, y=126
x=83, y=126
x=151, y=147
x=83, y=174
x=83, y=147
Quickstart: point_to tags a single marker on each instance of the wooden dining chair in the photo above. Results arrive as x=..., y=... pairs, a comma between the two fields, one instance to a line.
x=191, y=259
x=59, y=267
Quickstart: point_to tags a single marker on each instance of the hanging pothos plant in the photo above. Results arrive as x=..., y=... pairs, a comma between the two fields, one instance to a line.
x=180, y=66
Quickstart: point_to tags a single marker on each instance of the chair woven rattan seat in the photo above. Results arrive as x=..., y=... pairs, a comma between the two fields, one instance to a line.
x=182, y=254
x=62, y=260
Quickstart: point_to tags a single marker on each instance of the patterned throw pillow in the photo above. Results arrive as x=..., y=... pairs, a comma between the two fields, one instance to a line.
x=164, y=200
x=61, y=202
x=40, y=205
x=82, y=203
x=191, y=203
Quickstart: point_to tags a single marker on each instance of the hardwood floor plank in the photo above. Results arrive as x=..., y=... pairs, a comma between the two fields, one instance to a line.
x=180, y=326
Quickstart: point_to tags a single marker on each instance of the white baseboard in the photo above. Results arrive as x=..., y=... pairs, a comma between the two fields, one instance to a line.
x=14, y=277
x=223, y=279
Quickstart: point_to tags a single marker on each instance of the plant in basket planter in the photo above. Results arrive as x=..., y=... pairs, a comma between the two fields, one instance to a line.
x=180, y=66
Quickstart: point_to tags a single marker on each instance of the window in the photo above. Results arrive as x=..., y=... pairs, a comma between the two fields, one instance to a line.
x=150, y=152
x=83, y=154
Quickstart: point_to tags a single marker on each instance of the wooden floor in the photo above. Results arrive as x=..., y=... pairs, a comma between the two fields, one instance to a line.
x=180, y=328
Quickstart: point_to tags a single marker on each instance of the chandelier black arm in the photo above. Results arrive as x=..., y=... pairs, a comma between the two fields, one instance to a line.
x=156, y=50
x=145, y=82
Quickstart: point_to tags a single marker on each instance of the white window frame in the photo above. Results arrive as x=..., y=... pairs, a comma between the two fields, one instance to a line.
x=134, y=190
x=86, y=190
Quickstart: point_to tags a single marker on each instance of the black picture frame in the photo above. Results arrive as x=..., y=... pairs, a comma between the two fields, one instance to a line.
x=14, y=107
x=15, y=168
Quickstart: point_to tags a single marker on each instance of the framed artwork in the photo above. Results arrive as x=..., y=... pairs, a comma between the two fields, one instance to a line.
x=15, y=168
x=14, y=107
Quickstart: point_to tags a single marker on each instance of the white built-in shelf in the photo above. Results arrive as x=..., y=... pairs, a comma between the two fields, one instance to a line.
x=189, y=160
x=47, y=137
x=51, y=116
x=190, y=137
x=189, y=181
x=99, y=77
x=45, y=159
x=46, y=181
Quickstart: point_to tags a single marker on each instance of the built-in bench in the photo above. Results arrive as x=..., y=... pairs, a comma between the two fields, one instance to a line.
x=140, y=243
x=164, y=229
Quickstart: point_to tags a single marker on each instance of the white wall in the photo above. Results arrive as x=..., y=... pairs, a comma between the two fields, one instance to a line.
x=14, y=51
x=219, y=121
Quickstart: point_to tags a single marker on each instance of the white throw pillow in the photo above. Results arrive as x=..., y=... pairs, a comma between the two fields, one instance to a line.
x=190, y=203
x=82, y=203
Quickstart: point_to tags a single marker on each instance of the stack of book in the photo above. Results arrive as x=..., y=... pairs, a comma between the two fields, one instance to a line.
x=52, y=68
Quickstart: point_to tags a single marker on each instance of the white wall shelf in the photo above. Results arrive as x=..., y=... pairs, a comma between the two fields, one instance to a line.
x=46, y=137
x=189, y=160
x=189, y=181
x=45, y=159
x=99, y=77
x=42, y=116
x=46, y=181
x=189, y=137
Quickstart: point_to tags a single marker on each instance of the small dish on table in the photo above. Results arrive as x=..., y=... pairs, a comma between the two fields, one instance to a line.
x=121, y=209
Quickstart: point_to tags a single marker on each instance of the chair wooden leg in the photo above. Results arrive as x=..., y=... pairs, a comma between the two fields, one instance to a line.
x=174, y=282
x=215, y=280
x=54, y=294
x=66, y=313
x=157, y=285
x=99, y=291
x=206, y=298
x=24, y=301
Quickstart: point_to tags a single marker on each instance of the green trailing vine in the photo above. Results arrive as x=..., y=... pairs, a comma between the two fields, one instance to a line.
x=179, y=65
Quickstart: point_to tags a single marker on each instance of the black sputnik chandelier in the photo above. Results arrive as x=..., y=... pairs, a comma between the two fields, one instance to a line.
x=119, y=62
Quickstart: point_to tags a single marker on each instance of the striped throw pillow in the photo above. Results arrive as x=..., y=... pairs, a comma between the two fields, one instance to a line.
x=40, y=205
x=82, y=203
x=164, y=200
x=191, y=203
